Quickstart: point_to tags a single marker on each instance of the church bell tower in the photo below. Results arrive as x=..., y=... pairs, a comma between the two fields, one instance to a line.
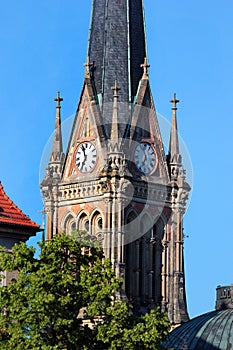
x=115, y=180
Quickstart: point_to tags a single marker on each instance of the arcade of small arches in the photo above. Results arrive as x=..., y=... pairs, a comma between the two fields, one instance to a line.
x=92, y=224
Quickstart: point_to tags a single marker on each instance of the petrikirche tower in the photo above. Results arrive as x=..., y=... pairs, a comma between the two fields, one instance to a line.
x=115, y=180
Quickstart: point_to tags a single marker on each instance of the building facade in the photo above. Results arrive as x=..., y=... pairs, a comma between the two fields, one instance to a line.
x=224, y=297
x=15, y=227
x=115, y=180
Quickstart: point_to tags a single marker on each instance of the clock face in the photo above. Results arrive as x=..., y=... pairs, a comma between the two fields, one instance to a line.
x=86, y=157
x=145, y=158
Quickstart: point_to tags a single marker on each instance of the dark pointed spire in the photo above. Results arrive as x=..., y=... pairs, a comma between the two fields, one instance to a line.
x=117, y=33
x=174, y=153
x=57, y=148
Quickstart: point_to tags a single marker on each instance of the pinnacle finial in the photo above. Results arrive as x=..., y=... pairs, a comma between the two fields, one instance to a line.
x=58, y=99
x=90, y=68
x=174, y=102
x=57, y=148
x=115, y=89
x=145, y=67
x=115, y=131
x=174, y=139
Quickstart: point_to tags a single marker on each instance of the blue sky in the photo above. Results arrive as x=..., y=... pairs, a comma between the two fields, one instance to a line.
x=43, y=48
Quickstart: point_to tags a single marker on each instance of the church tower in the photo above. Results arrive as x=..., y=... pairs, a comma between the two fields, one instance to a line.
x=115, y=180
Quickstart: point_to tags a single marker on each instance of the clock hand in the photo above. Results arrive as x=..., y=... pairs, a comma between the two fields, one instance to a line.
x=82, y=165
x=84, y=151
x=84, y=160
x=145, y=159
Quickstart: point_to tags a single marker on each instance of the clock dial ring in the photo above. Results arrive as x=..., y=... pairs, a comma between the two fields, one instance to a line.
x=86, y=157
x=145, y=158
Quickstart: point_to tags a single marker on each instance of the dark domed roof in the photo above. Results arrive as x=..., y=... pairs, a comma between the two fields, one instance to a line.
x=210, y=331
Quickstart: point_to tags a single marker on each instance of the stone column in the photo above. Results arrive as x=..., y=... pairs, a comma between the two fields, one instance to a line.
x=164, y=275
x=137, y=273
x=49, y=224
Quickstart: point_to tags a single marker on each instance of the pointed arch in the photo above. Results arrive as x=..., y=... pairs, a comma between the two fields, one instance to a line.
x=80, y=214
x=68, y=223
x=146, y=224
x=83, y=223
x=131, y=225
x=131, y=215
x=95, y=212
x=97, y=224
x=159, y=227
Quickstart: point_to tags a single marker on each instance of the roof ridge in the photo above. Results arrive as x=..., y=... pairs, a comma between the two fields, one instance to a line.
x=11, y=214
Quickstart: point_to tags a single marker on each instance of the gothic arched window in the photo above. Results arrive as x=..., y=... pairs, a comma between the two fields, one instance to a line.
x=97, y=226
x=69, y=224
x=83, y=223
x=73, y=226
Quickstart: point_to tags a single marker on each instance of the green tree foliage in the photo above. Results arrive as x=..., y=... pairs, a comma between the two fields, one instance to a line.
x=65, y=300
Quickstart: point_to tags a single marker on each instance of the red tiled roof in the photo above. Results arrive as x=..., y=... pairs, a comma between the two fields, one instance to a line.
x=10, y=214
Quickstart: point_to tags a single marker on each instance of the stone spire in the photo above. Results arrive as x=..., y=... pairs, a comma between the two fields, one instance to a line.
x=174, y=153
x=117, y=32
x=57, y=148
